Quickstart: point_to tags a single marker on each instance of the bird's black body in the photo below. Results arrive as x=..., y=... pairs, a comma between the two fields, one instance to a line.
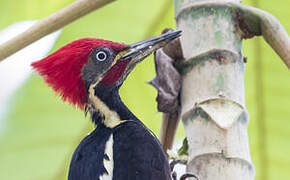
x=137, y=154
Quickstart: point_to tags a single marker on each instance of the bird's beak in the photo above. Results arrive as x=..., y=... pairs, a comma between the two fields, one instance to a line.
x=138, y=51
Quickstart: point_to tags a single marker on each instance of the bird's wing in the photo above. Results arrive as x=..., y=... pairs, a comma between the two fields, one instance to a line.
x=138, y=154
x=87, y=161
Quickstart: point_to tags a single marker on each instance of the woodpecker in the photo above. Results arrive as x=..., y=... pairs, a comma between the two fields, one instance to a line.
x=88, y=73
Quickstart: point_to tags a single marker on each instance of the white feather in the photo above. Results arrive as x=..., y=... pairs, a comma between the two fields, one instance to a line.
x=108, y=164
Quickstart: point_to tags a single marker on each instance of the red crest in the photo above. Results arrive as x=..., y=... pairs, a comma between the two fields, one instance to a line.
x=62, y=69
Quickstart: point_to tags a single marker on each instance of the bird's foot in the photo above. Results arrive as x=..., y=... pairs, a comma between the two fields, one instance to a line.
x=177, y=161
x=188, y=175
x=181, y=155
x=184, y=176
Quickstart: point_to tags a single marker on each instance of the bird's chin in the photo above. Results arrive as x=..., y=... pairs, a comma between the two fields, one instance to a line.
x=126, y=73
x=137, y=52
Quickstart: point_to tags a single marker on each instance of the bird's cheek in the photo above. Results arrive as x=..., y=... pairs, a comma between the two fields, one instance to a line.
x=116, y=72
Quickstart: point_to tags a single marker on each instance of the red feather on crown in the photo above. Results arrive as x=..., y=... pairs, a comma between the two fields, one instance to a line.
x=62, y=69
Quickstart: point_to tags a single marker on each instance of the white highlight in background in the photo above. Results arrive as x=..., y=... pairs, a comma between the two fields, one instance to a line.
x=16, y=69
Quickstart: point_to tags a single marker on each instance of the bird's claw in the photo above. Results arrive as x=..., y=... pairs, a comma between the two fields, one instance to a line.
x=184, y=176
x=188, y=175
x=174, y=175
x=177, y=161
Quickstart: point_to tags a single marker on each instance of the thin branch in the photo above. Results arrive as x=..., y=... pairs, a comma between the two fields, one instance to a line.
x=169, y=126
x=170, y=121
x=260, y=22
x=50, y=24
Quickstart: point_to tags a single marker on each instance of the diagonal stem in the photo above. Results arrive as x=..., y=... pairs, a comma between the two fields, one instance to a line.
x=50, y=24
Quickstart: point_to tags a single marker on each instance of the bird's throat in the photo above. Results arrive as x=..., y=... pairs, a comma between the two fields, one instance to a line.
x=110, y=118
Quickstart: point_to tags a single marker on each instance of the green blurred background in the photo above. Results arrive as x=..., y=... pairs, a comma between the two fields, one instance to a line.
x=43, y=131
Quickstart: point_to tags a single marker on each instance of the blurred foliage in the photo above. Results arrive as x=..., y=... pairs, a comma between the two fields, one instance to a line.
x=43, y=131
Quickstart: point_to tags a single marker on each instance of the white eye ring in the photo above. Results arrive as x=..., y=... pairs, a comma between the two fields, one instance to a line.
x=101, y=56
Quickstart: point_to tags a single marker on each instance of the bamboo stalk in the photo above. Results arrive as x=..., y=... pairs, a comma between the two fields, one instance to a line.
x=50, y=24
x=212, y=97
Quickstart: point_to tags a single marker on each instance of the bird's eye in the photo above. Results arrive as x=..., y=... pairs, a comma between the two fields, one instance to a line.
x=101, y=56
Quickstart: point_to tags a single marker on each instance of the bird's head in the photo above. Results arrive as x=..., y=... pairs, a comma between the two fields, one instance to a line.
x=75, y=69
